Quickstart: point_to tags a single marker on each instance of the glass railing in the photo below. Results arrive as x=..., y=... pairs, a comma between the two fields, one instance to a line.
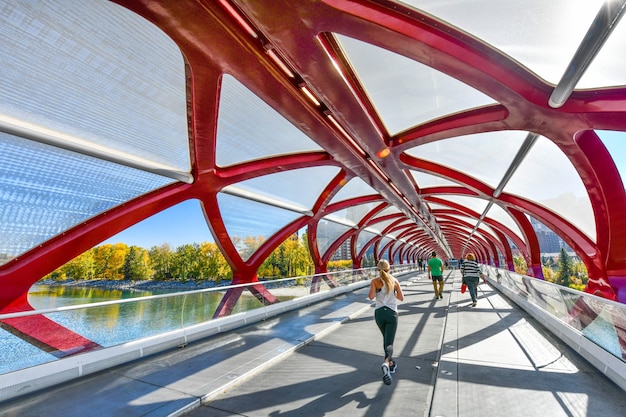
x=110, y=323
x=599, y=320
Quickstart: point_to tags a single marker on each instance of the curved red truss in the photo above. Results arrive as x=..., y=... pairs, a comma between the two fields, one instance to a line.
x=213, y=42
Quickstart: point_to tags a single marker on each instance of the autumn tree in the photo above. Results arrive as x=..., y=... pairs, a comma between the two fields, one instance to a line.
x=109, y=261
x=519, y=263
x=137, y=264
x=216, y=268
x=161, y=261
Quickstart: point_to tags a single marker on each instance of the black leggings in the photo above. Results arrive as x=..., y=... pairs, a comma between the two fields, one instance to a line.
x=387, y=321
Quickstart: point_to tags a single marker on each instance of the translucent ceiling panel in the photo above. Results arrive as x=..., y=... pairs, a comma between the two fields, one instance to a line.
x=248, y=128
x=542, y=35
x=615, y=143
x=547, y=177
x=389, y=210
x=363, y=239
x=405, y=92
x=380, y=226
x=179, y=225
x=424, y=180
x=95, y=73
x=470, y=220
x=384, y=242
x=484, y=156
x=356, y=187
x=299, y=186
x=354, y=214
x=475, y=204
x=327, y=233
x=498, y=214
x=45, y=191
x=249, y=223
x=608, y=67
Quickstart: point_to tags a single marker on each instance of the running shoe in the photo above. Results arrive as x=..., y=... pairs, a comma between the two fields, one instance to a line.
x=393, y=367
x=386, y=373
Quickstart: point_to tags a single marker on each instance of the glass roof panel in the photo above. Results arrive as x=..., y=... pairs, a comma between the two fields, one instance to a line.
x=405, y=92
x=425, y=180
x=288, y=186
x=608, y=68
x=498, y=214
x=354, y=214
x=386, y=212
x=46, y=190
x=541, y=35
x=381, y=226
x=356, y=187
x=476, y=204
x=615, y=143
x=464, y=218
x=248, y=128
x=97, y=73
x=327, y=233
x=484, y=156
x=547, y=177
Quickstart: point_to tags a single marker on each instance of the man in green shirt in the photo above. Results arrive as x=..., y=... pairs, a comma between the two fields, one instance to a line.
x=435, y=272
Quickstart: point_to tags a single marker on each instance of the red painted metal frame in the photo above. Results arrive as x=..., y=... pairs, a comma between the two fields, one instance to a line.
x=213, y=42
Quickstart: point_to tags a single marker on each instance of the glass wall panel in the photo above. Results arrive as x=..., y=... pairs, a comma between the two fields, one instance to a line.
x=484, y=156
x=45, y=191
x=97, y=72
x=327, y=233
x=364, y=237
x=404, y=92
x=248, y=128
x=250, y=223
x=547, y=177
x=541, y=35
x=615, y=143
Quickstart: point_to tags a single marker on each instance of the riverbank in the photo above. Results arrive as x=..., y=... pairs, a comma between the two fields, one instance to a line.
x=145, y=285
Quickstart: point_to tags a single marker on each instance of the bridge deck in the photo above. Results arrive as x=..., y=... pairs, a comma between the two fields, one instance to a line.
x=454, y=360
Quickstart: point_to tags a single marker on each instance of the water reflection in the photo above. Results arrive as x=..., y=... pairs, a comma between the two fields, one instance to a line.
x=115, y=324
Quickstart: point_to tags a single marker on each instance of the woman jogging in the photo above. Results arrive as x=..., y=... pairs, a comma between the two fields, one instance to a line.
x=387, y=291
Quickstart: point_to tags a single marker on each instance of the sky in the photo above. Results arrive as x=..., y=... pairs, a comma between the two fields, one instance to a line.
x=185, y=223
x=178, y=225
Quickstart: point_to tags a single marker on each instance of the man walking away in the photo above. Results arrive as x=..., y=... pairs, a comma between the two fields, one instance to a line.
x=435, y=272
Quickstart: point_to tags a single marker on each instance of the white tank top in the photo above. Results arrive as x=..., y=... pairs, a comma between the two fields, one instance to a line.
x=387, y=299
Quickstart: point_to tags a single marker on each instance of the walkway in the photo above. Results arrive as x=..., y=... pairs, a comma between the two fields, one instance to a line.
x=324, y=360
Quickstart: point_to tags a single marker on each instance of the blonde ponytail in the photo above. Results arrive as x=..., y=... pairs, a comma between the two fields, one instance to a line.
x=383, y=267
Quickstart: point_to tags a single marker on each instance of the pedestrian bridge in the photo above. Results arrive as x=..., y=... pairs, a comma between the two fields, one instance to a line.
x=323, y=358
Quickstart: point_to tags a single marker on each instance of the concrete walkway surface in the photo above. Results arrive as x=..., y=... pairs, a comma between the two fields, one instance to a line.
x=324, y=360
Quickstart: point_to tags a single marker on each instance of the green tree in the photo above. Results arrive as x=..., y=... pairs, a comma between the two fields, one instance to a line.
x=565, y=268
x=137, y=264
x=161, y=261
x=215, y=266
x=187, y=262
x=80, y=268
